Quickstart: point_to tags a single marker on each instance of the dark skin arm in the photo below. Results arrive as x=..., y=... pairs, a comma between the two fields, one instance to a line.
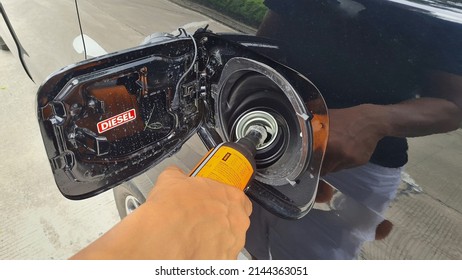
x=354, y=132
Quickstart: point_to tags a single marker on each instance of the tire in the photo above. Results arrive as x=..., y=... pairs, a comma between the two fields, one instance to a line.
x=127, y=198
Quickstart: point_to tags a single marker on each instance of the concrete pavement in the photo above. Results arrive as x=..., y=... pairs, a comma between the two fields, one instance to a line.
x=36, y=221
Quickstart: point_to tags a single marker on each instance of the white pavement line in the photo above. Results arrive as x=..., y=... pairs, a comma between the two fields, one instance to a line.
x=93, y=48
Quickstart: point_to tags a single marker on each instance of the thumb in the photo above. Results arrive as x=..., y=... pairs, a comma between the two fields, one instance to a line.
x=173, y=171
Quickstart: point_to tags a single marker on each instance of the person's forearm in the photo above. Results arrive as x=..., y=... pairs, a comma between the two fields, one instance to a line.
x=354, y=132
x=128, y=239
x=183, y=218
x=418, y=117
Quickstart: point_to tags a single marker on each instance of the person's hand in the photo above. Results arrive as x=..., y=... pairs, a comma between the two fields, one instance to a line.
x=353, y=136
x=208, y=219
x=324, y=193
x=183, y=218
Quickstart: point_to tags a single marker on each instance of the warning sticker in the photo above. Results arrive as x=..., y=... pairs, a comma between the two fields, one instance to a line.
x=228, y=166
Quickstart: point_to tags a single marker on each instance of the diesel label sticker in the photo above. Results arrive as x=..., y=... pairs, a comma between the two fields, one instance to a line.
x=117, y=120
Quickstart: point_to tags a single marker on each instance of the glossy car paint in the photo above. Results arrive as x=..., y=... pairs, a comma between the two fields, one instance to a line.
x=43, y=47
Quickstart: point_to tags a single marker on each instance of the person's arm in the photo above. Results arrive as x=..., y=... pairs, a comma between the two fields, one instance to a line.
x=354, y=132
x=183, y=218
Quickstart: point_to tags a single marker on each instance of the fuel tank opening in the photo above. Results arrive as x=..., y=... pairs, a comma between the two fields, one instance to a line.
x=275, y=143
x=261, y=118
x=253, y=93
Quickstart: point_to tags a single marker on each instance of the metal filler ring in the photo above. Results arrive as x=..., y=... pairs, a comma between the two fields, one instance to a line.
x=258, y=118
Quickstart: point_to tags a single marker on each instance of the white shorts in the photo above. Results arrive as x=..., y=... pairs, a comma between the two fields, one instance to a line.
x=333, y=231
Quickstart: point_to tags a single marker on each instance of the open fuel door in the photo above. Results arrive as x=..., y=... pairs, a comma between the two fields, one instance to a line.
x=107, y=120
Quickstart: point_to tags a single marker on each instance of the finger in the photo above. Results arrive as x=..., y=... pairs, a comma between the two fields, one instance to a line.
x=174, y=169
x=170, y=176
x=325, y=192
x=235, y=193
x=328, y=166
x=343, y=165
x=231, y=193
x=333, y=164
x=171, y=172
x=247, y=205
x=239, y=224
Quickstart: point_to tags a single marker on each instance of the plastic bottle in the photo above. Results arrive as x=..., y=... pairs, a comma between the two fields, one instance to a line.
x=233, y=163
